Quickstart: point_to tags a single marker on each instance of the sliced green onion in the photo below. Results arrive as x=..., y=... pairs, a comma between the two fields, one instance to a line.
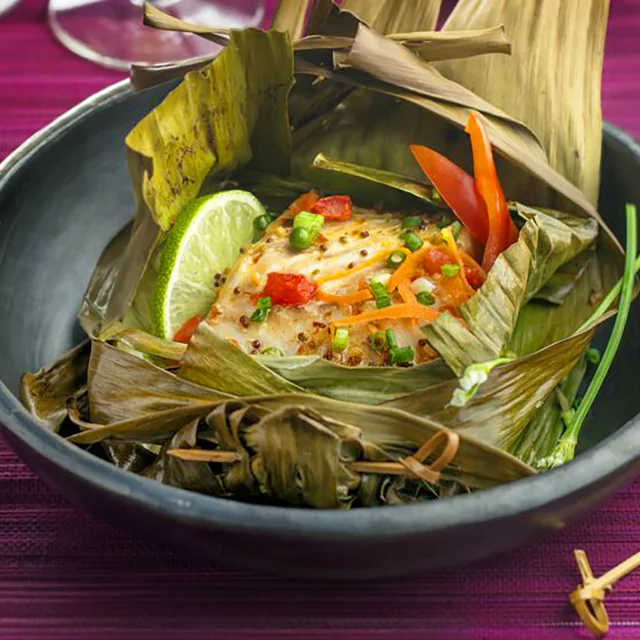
x=300, y=239
x=391, y=339
x=401, y=355
x=412, y=222
x=564, y=450
x=426, y=298
x=261, y=313
x=456, y=228
x=593, y=355
x=412, y=241
x=272, y=351
x=378, y=341
x=450, y=270
x=261, y=222
x=380, y=293
x=340, y=339
x=396, y=259
x=311, y=222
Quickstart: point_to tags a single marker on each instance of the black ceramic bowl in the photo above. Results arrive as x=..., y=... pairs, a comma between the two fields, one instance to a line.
x=66, y=192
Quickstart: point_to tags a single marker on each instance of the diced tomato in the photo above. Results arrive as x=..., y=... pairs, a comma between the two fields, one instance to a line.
x=186, y=331
x=304, y=202
x=475, y=277
x=336, y=208
x=289, y=289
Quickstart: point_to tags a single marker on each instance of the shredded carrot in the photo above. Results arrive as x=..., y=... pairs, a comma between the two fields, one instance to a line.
x=338, y=275
x=348, y=298
x=404, y=271
x=408, y=296
x=390, y=313
x=455, y=252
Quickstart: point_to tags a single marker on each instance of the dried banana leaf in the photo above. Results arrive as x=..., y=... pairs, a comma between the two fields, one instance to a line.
x=565, y=279
x=45, y=393
x=396, y=16
x=506, y=402
x=558, y=59
x=547, y=241
x=154, y=17
x=290, y=16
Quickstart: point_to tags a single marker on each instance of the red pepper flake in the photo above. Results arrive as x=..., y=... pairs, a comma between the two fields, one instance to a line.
x=289, y=289
x=351, y=265
x=256, y=344
x=244, y=321
x=324, y=247
x=364, y=234
x=364, y=253
x=302, y=337
x=422, y=342
x=319, y=325
x=333, y=208
x=236, y=290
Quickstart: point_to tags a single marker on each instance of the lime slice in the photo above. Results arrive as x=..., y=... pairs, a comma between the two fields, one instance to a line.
x=205, y=240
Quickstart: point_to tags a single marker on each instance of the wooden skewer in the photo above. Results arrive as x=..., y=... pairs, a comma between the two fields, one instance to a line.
x=588, y=598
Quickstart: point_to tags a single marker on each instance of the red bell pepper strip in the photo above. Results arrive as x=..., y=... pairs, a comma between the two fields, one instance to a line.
x=304, y=202
x=457, y=188
x=186, y=331
x=289, y=289
x=336, y=208
x=486, y=177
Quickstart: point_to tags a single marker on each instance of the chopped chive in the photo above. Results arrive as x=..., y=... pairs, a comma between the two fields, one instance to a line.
x=396, y=258
x=261, y=222
x=340, y=339
x=412, y=222
x=593, y=355
x=300, y=239
x=378, y=341
x=272, y=351
x=391, y=339
x=412, y=241
x=311, y=222
x=426, y=298
x=456, y=228
x=380, y=293
x=450, y=270
x=401, y=355
x=261, y=313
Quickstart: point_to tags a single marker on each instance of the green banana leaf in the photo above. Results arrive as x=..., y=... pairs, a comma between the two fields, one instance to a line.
x=547, y=241
x=507, y=401
x=45, y=392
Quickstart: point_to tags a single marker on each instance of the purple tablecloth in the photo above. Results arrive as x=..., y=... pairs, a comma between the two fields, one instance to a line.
x=65, y=575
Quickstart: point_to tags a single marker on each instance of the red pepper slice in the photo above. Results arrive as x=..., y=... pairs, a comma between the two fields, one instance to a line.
x=501, y=227
x=186, y=331
x=336, y=208
x=435, y=258
x=289, y=289
x=304, y=202
x=457, y=188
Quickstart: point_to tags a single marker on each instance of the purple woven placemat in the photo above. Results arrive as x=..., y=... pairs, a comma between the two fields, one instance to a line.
x=63, y=574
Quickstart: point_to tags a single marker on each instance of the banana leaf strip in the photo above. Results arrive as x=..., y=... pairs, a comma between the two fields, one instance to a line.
x=184, y=474
x=547, y=241
x=507, y=401
x=565, y=279
x=45, y=392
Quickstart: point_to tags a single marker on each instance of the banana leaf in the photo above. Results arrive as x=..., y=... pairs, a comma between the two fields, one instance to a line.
x=566, y=278
x=507, y=401
x=560, y=67
x=45, y=392
x=231, y=114
x=158, y=404
x=391, y=16
x=547, y=241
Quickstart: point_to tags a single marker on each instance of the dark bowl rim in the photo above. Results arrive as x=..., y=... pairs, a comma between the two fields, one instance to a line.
x=615, y=452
